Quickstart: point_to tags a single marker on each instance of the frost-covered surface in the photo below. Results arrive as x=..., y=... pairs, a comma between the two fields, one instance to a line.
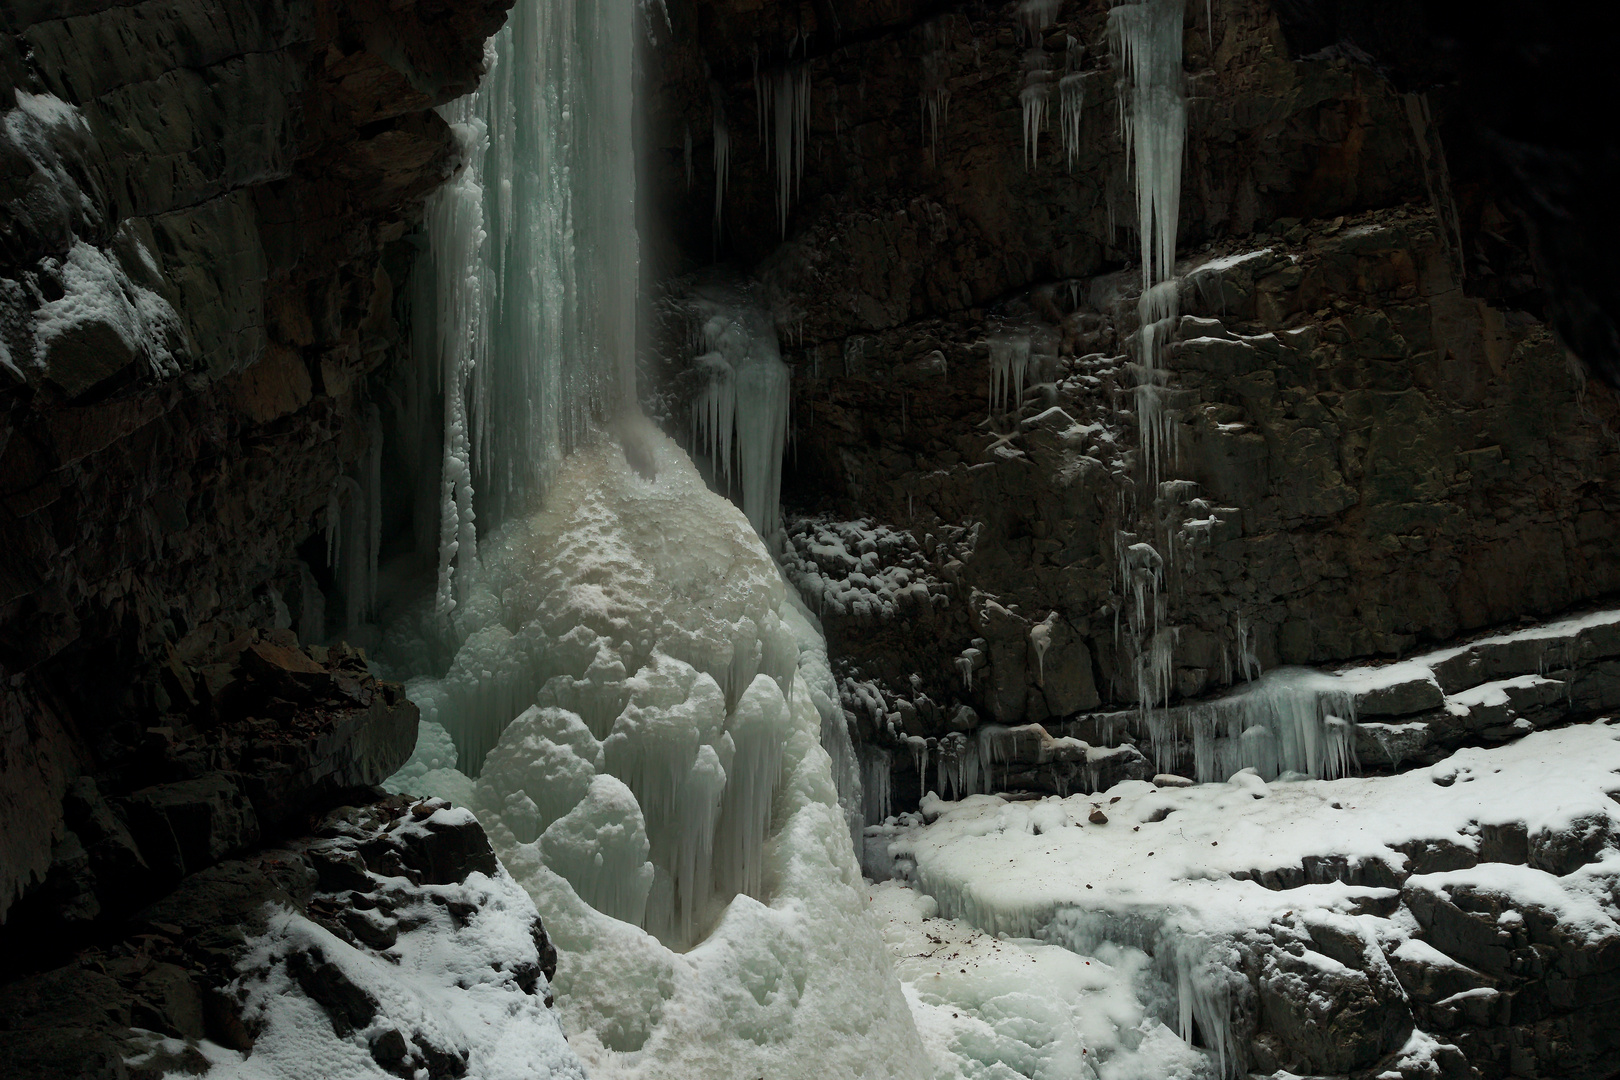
x=460, y=983
x=858, y=568
x=663, y=792
x=989, y=1008
x=108, y=313
x=1197, y=875
x=1011, y=866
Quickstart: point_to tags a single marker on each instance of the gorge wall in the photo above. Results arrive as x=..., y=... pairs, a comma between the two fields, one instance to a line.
x=1382, y=442
x=204, y=213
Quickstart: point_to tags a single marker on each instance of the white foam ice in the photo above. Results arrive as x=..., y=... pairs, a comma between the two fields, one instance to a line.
x=664, y=794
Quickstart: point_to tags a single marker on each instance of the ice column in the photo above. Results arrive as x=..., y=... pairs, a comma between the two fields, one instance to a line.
x=535, y=252
x=1145, y=39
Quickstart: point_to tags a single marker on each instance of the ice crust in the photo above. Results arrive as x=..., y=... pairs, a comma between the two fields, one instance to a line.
x=1171, y=869
x=992, y=1008
x=660, y=762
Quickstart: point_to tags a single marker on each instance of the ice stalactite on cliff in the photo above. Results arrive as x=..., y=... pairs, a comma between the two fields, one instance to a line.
x=782, y=102
x=744, y=393
x=722, y=154
x=1145, y=39
x=637, y=706
x=1145, y=42
x=934, y=97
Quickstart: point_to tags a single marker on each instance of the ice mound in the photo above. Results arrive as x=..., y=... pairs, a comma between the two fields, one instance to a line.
x=644, y=705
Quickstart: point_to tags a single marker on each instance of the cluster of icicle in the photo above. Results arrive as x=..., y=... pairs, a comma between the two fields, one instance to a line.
x=1145, y=42
x=740, y=411
x=782, y=101
x=934, y=98
x=1145, y=38
x=533, y=257
x=1035, y=96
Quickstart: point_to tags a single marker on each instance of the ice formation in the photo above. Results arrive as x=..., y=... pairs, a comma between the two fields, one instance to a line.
x=1145, y=38
x=615, y=677
x=659, y=785
x=1033, y=98
x=935, y=96
x=741, y=409
x=722, y=153
x=1171, y=882
x=858, y=567
x=534, y=254
x=1071, y=102
x=1009, y=366
x=782, y=101
x=1293, y=720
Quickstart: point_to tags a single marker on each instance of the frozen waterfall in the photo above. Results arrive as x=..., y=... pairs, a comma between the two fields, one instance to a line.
x=614, y=675
x=534, y=256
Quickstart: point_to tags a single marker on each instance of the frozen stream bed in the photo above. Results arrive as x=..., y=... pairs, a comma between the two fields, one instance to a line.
x=1361, y=926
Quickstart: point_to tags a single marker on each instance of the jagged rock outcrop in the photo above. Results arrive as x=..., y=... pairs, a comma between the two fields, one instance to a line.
x=393, y=918
x=258, y=735
x=203, y=213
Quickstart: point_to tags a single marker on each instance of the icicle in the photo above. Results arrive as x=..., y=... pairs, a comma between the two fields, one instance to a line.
x=1009, y=365
x=875, y=773
x=1035, y=16
x=1040, y=639
x=1146, y=42
x=746, y=393
x=722, y=153
x=1033, y=99
x=1072, y=97
x=791, y=93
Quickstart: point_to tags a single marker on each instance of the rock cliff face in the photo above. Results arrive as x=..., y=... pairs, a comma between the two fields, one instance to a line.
x=1378, y=441
x=202, y=213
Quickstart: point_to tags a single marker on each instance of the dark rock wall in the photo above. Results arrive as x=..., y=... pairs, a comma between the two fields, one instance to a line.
x=1389, y=443
x=234, y=183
